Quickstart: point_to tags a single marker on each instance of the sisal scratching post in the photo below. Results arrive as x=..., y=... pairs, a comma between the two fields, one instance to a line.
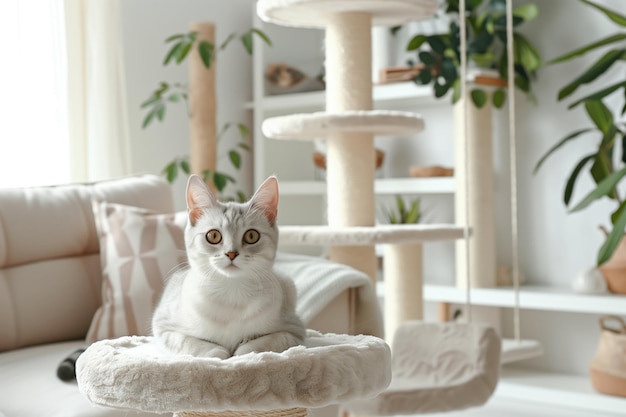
x=479, y=198
x=350, y=168
x=402, y=268
x=203, y=146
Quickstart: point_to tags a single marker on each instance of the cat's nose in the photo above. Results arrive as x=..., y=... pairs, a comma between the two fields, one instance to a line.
x=232, y=255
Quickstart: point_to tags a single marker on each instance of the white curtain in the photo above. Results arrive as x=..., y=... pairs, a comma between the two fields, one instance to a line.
x=63, y=106
x=98, y=118
x=34, y=147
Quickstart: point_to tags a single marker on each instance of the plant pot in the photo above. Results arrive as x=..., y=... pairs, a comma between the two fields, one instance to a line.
x=608, y=367
x=319, y=159
x=614, y=270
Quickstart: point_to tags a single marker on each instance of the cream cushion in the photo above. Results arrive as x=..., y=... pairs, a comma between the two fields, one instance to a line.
x=138, y=250
x=50, y=272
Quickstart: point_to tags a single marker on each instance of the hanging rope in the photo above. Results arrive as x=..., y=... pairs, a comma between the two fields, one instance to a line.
x=463, y=95
x=513, y=166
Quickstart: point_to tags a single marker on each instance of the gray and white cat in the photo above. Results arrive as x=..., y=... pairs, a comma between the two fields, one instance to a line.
x=229, y=301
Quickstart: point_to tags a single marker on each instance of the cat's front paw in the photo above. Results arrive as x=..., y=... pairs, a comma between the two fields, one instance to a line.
x=273, y=342
x=219, y=352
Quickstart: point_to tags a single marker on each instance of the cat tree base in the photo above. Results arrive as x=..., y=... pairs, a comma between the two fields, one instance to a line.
x=135, y=373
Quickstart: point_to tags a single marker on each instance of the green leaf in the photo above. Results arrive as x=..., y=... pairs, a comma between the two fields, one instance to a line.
x=153, y=99
x=441, y=89
x=235, y=158
x=613, y=239
x=205, y=49
x=246, y=39
x=206, y=175
x=448, y=70
x=148, y=119
x=171, y=171
x=602, y=168
x=436, y=43
x=427, y=58
x=525, y=53
x=182, y=54
x=528, y=11
x=624, y=147
x=558, y=145
x=600, y=115
x=479, y=97
x=592, y=73
x=401, y=208
x=174, y=98
x=160, y=112
x=600, y=94
x=413, y=215
x=184, y=165
x=173, y=52
x=416, y=42
x=174, y=37
x=394, y=30
x=221, y=180
x=483, y=60
x=456, y=89
x=241, y=197
x=424, y=77
x=498, y=98
x=228, y=40
x=615, y=17
x=262, y=35
x=569, y=186
x=583, y=50
x=244, y=132
x=244, y=146
x=605, y=187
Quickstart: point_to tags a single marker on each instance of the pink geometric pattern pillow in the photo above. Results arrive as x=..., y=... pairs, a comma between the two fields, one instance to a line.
x=138, y=250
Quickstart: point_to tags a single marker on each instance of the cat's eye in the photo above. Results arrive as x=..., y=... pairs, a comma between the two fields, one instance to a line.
x=213, y=236
x=251, y=236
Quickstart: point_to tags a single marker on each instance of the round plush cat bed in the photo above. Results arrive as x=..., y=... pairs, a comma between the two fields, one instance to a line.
x=318, y=125
x=135, y=373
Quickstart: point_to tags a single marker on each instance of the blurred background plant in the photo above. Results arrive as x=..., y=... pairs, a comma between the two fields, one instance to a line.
x=403, y=213
x=607, y=163
x=177, y=93
x=486, y=49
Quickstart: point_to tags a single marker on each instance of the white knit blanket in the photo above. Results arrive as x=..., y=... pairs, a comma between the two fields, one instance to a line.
x=319, y=281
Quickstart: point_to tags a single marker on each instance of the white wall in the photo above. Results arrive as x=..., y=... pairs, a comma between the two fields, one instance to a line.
x=554, y=246
x=146, y=25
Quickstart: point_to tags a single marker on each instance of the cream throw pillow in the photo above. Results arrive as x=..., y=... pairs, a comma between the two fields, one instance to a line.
x=138, y=249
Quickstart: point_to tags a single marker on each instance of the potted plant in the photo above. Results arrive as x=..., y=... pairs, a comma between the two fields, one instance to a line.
x=181, y=46
x=440, y=54
x=607, y=163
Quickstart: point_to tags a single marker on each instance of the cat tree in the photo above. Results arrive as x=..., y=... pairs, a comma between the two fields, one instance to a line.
x=349, y=125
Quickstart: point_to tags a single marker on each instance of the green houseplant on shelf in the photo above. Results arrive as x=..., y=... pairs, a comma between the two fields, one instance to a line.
x=440, y=55
x=607, y=163
x=181, y=45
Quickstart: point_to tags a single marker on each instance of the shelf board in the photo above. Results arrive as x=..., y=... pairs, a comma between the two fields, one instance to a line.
x=384, y=93
x=439, y=185
x=573, y=391
x=532, y=298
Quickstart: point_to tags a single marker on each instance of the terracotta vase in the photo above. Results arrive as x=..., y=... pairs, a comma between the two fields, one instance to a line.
x=614, y=270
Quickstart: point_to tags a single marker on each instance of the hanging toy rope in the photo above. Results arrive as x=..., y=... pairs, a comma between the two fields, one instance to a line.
x=513, y=167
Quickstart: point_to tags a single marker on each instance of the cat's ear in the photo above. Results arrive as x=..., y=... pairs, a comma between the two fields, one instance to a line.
x=199, y=197
x=266, y=199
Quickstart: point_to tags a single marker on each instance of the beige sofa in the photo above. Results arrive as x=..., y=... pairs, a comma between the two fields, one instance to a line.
x=50, y=288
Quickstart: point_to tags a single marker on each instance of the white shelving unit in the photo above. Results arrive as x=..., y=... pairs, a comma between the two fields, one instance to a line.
x=528, y=387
